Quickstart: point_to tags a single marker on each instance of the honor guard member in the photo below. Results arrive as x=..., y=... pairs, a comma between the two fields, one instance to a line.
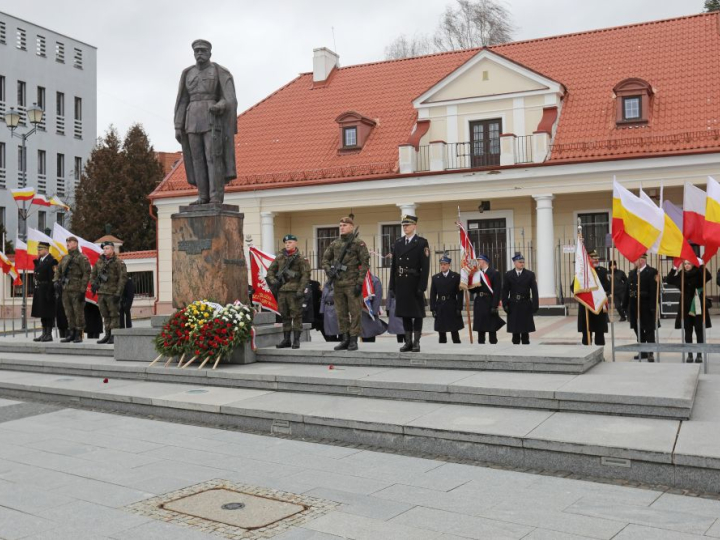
x=487, y=300
x=520, y=301
x=620, y=279
x=446, y=302
x=71, y=280
x=691, y=316
x=645, y=330
x=108, y=281
x=288, y=277
x=409, y=274
x=346, y=262
x=43, y=302
x=598, y=323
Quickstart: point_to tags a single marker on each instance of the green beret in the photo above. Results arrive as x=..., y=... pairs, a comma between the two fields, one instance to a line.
x=289, y=237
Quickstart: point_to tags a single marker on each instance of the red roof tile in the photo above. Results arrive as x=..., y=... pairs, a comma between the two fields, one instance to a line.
x=291, y=138
x=150, y=254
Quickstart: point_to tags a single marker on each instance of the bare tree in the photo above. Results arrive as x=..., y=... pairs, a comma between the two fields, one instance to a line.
x=404, y=47
x=473, y=23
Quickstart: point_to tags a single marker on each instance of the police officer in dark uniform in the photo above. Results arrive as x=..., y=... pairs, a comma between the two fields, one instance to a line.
x=645, y=330
x=446, y=302
x=408, y=281
x=291, y=287
x=487, y=300
x=520, y=301
x=43, y=303
x=599, y=322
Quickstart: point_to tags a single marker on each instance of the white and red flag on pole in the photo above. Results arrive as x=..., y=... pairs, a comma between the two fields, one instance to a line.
x=368, y=293
x=587, y=288
x=259, y=264
x=468, y=262
x=694, y=202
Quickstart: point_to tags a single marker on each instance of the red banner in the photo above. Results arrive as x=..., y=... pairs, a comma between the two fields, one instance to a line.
x=259, y=264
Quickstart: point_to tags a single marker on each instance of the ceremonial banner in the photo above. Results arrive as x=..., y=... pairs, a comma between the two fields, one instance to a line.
x=468, y=262
x=8, y=268
x=587, y=288
x=368, y=293
x=90, y=250
x=22, y=260
x=23, y=194
x=694, y=202
x=259, y=264
x=34, y=237
x=632, y=228
x=711, y=234
x=670, y=241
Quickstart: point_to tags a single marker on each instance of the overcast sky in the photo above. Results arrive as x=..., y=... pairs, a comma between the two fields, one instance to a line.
x=143, y=45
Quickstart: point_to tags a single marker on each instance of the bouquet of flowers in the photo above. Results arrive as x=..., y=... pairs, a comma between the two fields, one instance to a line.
x=200, y=312
x=230, y=327
x=174, y=337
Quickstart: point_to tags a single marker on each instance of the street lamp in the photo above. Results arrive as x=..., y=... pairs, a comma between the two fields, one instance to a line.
x=12, y=120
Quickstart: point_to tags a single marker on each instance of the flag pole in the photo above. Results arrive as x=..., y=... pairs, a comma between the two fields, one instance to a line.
x=637, y=322
x=587, y=312
x=704, y=286
x=682, y=308
x=467, y=294
x=658, y=284
x=611, y=307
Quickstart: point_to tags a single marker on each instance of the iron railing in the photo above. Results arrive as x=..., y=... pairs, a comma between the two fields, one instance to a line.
x=523, y=149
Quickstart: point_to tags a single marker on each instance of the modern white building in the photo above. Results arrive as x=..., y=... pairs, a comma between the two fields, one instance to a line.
x=59, y=73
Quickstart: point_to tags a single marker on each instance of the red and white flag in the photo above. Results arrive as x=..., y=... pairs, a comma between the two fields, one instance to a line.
x=587, y=288
x=23, y=261
x=368, y=293
x=259, y=264
x=468, y=262
x=694, y=201
x=87, y=248
x=7, y=266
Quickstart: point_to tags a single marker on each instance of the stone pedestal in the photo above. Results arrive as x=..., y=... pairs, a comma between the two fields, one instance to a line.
x=208, y=260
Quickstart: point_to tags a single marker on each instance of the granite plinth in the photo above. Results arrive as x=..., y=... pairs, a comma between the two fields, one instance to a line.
x=208, y=259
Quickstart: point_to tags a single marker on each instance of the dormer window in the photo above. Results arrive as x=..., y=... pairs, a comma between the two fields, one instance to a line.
x=633, y=98
x=355, y=130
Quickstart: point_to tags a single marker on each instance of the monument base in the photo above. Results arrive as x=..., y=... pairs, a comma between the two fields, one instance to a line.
x=208, y=259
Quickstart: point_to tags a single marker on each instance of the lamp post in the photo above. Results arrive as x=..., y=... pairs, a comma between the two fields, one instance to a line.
x=12, y=120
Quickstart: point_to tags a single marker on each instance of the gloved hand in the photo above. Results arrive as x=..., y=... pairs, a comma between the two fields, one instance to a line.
x=391, y=294
x=332, y=273
x=93, y=288
x=494, y=311
x=506, y=309
x=434, y=314
x=300, y=293
x=272, y=282
x=357, y=291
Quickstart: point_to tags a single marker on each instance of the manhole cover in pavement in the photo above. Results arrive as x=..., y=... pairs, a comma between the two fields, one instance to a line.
x=197, y=392
x=234, y=508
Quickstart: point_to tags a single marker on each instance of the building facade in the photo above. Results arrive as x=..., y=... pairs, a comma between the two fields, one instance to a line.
x=59, y=74
x=520, y=142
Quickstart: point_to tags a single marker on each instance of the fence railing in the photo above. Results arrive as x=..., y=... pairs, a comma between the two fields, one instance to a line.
x=523, y=149
x=466, y=155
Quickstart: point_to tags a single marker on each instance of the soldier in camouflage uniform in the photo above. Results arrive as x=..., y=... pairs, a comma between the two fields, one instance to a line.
x=108, y=280
x=71, y=278
x=348, y=283
x=289, y=274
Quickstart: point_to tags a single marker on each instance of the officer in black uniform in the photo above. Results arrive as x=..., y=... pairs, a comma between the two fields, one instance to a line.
x=599, y=322
x=520, y=301
x=487, y=299
x=43, y=302
x=446, y=302
x=408, y=281
x=619, y=293
x=645, y=330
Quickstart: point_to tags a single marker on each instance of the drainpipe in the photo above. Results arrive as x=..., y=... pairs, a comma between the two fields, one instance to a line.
x=157, y=259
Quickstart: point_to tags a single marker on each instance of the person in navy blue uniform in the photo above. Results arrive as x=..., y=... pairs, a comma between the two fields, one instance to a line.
x=43, y=302
x=408, y=281
x=520, y=301
x=487, y=300
x=446, y=302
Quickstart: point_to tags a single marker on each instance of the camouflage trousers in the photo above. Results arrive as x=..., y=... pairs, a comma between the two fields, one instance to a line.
x=109, y=307
x=74, y=306
x=349, y=309
x=290, y=308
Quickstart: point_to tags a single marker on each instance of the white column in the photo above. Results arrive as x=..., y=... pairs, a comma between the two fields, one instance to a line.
x=545, y=258
x=267, y=231
x=407, y=208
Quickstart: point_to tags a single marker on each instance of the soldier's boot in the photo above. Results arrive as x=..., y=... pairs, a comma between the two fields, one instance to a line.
x=285, y=343
x=353, y=346
x=41, y=336
x=689, y=358
x=651, y=357
x=344, y=344
x=111, y=341
x=296, y=339
x=106, y=338
x=408, y=343
x=47, y=336
x=78, y=336
x=698, y=358
x=70, y=336
x=416, y=342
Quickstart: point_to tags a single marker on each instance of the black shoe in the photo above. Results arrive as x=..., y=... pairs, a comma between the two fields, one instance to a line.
x=689, y=359
x=111, y=341
x=344, y=344
x=69, y=337
x=106, y=337
x=698, y=358
x=47, y=336
x=296, y=340
x=78, y=336
x=353, y=346
x=40, y=337
x=416, y=342
x=623, y=319
x=285, y=343
x=408, y=343
x=651, y=357
x=637, y=357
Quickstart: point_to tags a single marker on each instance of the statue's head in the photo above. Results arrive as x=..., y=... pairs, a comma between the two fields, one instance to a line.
x=203, y=50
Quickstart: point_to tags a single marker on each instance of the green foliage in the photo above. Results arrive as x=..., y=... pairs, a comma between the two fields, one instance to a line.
x=712, y=5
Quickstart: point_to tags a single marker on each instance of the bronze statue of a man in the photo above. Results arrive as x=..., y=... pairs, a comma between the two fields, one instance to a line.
x=206, y=124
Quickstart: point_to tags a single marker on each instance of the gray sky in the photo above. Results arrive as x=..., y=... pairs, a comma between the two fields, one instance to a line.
x=143, y=45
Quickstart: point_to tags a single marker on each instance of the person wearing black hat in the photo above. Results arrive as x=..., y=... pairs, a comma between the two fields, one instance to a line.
x=643, y=297
x=288, y=277
x=488, y=291
x=446, y=302
x=409, y=274
x=71, y=280
x=108, y=281
x=620, y=284
x=598, y=323
x=520, y=301
x=43, y=302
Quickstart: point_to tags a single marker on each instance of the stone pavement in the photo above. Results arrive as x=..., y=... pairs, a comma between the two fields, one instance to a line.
x=72, y=474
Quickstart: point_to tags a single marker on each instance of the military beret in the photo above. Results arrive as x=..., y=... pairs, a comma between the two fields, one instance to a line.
x=107, y=243
x=45, y=245
x=445, y=259
x=408, y=219
x=289, y=237
x=483, y=257
x=201, y=43
x=518, y=257
x=347, y=220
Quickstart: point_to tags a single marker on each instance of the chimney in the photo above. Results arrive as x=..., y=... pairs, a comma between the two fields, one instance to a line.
x=324, y=61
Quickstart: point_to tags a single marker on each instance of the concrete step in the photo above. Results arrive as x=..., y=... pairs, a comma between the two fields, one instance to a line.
x=501, y=357
x=629, y=389
x=684, y=454
x=23, y=345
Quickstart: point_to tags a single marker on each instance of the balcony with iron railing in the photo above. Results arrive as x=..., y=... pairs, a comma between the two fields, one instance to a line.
x=508, y=149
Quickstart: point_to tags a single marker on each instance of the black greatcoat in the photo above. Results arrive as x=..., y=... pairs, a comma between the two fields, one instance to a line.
x=446, y=301
x=648, y=298
x=409, y=276
x=485, y=301
x=693, y=282
x=520, y=300
x=43, y=302
x=599, y=322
